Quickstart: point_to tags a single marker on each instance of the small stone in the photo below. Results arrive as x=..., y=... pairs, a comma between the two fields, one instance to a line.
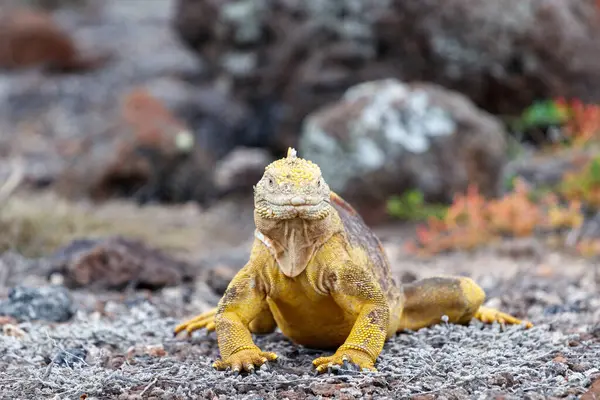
x=156, y=351
x=580, y=367
x=13, y=330
x=70, y=357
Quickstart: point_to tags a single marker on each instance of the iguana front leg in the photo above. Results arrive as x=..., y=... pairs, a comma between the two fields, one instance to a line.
x=355, y=290
x=243, y=301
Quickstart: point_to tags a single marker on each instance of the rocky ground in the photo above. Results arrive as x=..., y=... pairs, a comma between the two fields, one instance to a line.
x=119, y=344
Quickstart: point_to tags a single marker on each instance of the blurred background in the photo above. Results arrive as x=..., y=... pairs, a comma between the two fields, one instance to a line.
x=465, y=132
x=453, y=124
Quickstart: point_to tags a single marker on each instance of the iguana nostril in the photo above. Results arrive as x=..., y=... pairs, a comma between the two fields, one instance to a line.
x=298, y=201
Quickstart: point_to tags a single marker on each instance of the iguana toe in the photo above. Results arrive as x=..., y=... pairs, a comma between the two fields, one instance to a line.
x=205, y=320
x=245, y=360
x=348, y=359
x=491, y=315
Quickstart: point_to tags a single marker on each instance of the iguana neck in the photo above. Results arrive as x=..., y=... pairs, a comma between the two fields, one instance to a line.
x=293, y=242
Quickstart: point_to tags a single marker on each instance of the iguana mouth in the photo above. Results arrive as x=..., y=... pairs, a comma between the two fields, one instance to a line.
x=299, y=203
x=287, y=209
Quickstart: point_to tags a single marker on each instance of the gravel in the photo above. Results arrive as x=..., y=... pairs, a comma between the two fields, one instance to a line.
x=120, y=346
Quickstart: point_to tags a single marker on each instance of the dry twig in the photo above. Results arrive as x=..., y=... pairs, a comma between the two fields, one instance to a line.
x=13, y=181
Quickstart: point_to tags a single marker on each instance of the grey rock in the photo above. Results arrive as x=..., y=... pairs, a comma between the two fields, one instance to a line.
x=239, y=170
x=50, y=303
x=385, y=137
x=302, y=54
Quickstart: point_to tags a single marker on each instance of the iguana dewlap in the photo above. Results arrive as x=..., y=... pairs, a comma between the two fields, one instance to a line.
x=318, y=273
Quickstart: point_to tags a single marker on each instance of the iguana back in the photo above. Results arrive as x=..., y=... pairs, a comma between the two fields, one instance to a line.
x=360, y=235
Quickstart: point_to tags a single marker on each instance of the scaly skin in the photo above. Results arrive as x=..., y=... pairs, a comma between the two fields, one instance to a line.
x=314, y=263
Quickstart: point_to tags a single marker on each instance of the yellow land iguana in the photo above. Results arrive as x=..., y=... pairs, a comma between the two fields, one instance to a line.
x=319, y=273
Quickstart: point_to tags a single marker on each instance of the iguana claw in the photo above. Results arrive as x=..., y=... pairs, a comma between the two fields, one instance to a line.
x=491, y=315
x=245, y=360
x=344, y=358
x=205, y=320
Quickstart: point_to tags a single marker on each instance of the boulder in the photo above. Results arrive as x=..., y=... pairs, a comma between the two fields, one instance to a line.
x=33, y=38
x=240, y=170
x=291, y=57
x=50, y=303
x=502, y=54
x=50, y=120
x=115, y=263
x=151, y=155
x=385, y=137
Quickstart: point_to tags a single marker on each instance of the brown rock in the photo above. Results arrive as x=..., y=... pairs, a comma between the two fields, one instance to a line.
x=292, y=395
x=32, y=38
x=298, y=56
x=150, y=350
x=385, y=137
x=327, y=389
x=115, y=263
x=151, y=155
x=593, y=392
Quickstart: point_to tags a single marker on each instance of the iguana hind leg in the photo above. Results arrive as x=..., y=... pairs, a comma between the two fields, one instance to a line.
x=459, y=298
x=264, y=323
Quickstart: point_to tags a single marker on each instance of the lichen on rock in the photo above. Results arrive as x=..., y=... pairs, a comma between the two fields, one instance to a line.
x=386, y=136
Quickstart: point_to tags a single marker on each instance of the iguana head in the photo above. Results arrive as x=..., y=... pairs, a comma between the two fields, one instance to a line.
x=292, y=187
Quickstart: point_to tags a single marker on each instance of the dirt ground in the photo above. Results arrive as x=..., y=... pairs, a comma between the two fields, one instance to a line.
x=119, y=345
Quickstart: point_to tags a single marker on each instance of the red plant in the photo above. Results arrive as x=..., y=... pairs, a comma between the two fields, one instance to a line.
x=472, y=220
x=583, y=123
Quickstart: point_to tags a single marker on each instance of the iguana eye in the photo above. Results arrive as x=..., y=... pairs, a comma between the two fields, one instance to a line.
x=271, y=182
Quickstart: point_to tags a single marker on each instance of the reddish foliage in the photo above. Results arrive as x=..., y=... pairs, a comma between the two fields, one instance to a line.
x=583, y=184
x=472, y=220
x=583, y=124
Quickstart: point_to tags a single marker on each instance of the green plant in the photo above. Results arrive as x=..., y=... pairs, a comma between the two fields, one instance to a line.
x=542, y=113
x=411, y=205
